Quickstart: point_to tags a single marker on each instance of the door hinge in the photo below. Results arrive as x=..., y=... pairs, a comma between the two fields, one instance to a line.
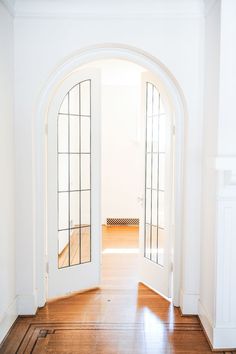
x=47, y=267
x=173, y=130
x=171, y=266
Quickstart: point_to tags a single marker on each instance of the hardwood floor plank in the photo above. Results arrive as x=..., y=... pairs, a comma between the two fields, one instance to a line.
x=121, y=317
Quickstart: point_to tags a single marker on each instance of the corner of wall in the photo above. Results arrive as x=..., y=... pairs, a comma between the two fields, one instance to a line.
x=7, y=319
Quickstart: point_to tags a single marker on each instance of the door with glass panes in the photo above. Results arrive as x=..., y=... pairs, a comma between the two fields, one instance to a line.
x=73, y=185
x=155, y=240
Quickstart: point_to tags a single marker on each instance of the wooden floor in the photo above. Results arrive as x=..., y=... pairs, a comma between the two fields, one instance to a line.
x=122, y=317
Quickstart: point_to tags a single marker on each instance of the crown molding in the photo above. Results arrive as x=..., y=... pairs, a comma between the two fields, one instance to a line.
x=9, y=6
x=209, y=6
x=105, y=9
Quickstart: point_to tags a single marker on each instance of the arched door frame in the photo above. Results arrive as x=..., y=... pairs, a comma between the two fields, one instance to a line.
x=172, y=88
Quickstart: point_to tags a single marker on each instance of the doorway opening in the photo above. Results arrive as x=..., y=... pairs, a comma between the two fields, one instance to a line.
x=136, y=183
x=132, y=122
x=122, y=171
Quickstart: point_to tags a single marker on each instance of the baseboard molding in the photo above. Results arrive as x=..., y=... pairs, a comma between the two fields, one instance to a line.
x=206, y=322
x=224, y=338
x=27, y=304
x=189, y=303
x=7, y=319
x=220, y=338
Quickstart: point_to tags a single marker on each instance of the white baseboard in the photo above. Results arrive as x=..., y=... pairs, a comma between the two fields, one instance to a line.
x=224, y=338
x=220, y=338
x=189, y=303
x=206, y=322
x=27, y=304
x=7, y=318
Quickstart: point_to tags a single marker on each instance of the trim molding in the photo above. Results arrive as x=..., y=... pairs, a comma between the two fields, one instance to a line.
x=209, y=6
x=189, y=303
x=206, y=322
x=7, y=319
x=119, y=10
x=225, y=163
x=220, y=338
x=9, y=6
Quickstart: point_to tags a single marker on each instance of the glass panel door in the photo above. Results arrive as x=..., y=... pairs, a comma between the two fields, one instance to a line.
x=73, y=184
x=74, y=176
x=155, y=166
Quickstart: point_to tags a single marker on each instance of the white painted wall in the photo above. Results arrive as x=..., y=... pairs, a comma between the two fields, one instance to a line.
x=121, y=146
x=210, y=130
x=217, y=305
x=41, y=44
x=8, y=311
x=121, y=152
x=174, y=35
x=227, y=91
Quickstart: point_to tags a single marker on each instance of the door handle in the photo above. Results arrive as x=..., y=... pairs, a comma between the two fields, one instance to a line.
x=140, y=200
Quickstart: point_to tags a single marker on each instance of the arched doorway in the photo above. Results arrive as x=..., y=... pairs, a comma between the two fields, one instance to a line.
x=171, y=89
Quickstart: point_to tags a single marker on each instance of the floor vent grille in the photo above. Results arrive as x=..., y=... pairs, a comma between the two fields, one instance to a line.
x=122, y=221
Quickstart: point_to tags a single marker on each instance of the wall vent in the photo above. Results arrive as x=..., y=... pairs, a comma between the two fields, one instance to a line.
x=122, y=221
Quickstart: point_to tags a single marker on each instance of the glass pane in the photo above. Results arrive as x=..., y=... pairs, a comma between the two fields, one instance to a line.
x=149, y=134
x=161, y=210
x=147, y=241
x=85, y=208
x=85, y=134
x=63, y=173
x=85, y=244
x=148, y=170
x=85, y=171
x=63, y=249
x=154, y=244
x=161, y=239
x=155, y=101
x=155, y=133
x=154, y=171
x=149, y=99
x=162, y=133
x=63, y=212
x=85, y=97
x=74, y=209
x=162, y=158
x=154, y=207
x=74, y=134
x=74, y=172
x=62, y=133
x=74, y=175
x=74, y=100
x=64, y=106
x=148, y=206
x=74, y=247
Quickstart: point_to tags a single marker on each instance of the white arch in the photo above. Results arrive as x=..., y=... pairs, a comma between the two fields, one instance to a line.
x=168, y=81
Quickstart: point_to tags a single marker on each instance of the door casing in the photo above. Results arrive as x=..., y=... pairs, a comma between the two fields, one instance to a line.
x=171, y=88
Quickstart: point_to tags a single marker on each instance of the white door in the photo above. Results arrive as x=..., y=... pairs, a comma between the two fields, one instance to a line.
x=155, y=240
x=73, y=185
